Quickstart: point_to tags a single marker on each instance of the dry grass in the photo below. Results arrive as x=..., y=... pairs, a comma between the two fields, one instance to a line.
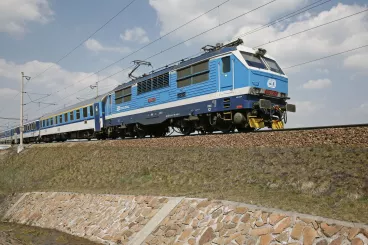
x=329, y=180
x=16, y=234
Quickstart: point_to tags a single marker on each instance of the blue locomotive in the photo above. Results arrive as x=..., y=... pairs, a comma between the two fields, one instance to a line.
x=228, y=87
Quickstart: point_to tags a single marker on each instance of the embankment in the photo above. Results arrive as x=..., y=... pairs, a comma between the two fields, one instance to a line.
x=133, y=220
x=319, y=172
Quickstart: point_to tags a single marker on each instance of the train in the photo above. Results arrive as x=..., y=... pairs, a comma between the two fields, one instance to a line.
x=227, y=88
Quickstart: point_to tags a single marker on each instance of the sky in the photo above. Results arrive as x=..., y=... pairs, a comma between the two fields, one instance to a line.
x=36, y=37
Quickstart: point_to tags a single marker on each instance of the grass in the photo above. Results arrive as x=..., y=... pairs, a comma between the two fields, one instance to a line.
x=330, y=181
x=17, y=234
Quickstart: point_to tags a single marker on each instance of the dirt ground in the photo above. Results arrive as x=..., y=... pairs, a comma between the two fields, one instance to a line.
x=324, y=180
x=14, y=234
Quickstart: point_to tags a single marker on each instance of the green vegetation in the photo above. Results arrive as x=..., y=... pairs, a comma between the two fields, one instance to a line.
x=330, y=181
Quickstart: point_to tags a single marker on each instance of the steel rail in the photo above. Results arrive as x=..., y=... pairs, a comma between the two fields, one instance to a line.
x=198, y=134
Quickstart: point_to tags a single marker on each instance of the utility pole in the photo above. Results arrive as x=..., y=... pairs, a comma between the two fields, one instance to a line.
x=20, y=148
x=21, y=127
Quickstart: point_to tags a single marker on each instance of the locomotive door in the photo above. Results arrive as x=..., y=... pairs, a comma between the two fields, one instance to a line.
x=226, y=74
x=96, y=113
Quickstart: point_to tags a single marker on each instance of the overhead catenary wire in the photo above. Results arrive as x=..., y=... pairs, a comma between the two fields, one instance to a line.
x=294, y=13
x=283, y=18
x=182, y=42
x=286, y=17
x=260, y=45
x=154, y=41
x=62, y=99
x=312, y=28
x=81, y=43
x=326, y=57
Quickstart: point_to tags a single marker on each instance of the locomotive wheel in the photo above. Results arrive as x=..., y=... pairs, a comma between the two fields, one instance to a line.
x=226, y=128
x=186, y=127
x=160, y=133
x=186, y=130
x=141, y=134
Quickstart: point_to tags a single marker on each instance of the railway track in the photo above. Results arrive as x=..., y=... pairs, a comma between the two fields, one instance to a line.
x=347, y=126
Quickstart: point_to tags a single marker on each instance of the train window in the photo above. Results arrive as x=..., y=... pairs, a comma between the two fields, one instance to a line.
x=273, y=66
x=118, y=94
x=226, y=67
x=253, y=60
x=85, y=112
x=77, y=114
x=118, y=101
x=127, y=98
x=200, y=78
x=184, y=82
x=66, y=117
x=184, y=72
x=51, y=121
x=57, y=120
x=91, y=111
x=60, y=119
x=71, y=115
x=194, y=74
x=200, y=67
x=123, y=95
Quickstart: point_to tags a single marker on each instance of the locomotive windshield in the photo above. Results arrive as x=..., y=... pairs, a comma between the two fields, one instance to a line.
x=255, y=61
x=273, y=66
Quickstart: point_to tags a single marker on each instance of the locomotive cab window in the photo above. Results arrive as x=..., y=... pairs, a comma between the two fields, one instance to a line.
x=273, y=66
x=226, y=66
x=253, y=60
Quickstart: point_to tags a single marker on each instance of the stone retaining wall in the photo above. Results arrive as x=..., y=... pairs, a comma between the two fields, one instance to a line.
x=113, y=219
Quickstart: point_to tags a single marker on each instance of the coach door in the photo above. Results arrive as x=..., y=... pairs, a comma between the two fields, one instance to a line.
x=226, y=74
x=96, y=112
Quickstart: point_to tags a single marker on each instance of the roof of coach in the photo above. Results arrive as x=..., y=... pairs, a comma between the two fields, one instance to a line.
x=76, y=106
x=182, y=64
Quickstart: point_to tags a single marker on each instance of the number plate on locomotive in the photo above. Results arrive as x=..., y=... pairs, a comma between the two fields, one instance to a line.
x=272, y=93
